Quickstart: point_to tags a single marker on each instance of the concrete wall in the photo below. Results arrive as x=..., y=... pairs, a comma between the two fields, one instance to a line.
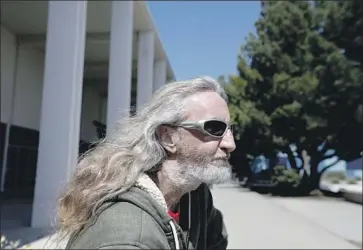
x=91, y=110
x=103, y=117
x=8, y=48
x=28, y=89
x=27, y=75
x=21, y=73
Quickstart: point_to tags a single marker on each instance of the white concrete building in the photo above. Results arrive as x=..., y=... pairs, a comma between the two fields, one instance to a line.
x=65, y=66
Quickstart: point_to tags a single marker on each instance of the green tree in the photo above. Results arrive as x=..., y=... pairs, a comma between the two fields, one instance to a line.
x=297, y=85
x=342, y=24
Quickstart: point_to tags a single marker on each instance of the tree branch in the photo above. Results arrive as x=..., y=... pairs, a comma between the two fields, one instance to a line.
x=328, y=157
x=291, y=157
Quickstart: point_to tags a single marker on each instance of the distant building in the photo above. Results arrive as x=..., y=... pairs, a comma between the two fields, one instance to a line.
x=68, y=69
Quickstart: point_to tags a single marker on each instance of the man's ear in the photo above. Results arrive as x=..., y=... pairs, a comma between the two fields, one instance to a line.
x=166, y=140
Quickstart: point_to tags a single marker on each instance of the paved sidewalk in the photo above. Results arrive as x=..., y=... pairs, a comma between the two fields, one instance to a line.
x=340, y=217
x=48, y=242
x=258, y=222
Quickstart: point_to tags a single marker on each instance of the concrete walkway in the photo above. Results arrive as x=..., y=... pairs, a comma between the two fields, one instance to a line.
x=340, y=217
x=258, y=222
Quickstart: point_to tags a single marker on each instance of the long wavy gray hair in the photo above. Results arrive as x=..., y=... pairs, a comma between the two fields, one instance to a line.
x=114, y=165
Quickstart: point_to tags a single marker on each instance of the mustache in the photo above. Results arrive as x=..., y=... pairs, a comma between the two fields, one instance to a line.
x=226, y=158
x=203, y=159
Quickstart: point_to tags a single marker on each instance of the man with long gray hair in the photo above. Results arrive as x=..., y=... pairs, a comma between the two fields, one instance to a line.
x=145, y=186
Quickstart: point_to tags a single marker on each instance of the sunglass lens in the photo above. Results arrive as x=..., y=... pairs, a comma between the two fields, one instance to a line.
x=216, y=128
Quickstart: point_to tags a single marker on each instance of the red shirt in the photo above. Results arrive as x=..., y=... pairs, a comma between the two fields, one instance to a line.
x=175, y=215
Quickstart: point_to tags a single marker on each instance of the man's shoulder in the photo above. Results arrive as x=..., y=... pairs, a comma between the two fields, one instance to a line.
x=119, y=224
x=120, y=214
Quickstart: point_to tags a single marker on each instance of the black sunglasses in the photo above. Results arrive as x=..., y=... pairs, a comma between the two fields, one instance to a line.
x=214, y=128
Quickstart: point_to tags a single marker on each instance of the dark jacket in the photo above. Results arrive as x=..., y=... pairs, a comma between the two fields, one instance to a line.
x=136, y=220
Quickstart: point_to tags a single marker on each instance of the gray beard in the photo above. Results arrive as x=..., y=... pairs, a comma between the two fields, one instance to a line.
x=214, y=172
x=188, y=176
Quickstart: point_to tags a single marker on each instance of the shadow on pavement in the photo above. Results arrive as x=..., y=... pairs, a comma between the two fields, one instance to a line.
x=15, y=222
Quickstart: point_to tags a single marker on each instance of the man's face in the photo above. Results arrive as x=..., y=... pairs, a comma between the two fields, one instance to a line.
x=201, y=157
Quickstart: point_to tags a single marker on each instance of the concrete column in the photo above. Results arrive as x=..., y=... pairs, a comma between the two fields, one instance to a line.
x=61, y=105
x=120, y=65
x=159, y=74
x=145, y=67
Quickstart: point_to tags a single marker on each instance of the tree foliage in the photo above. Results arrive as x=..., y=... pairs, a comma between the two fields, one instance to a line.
x=300, y=82
x=286, y=181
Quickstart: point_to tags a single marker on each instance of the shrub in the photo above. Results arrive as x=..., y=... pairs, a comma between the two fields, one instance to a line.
x=9, y=244
x=352, y=181
x=6, y=244
x=286, y=181
x=316, y=192
x=358, y=178
x=335, y=181
x=334, y=175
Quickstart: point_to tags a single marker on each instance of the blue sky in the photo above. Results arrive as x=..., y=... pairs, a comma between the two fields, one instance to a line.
x=203, y=38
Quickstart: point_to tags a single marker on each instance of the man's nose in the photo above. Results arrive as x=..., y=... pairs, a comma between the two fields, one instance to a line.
x=227, y=142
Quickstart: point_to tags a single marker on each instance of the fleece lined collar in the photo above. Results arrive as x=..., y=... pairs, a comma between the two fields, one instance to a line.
x=148, y=185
